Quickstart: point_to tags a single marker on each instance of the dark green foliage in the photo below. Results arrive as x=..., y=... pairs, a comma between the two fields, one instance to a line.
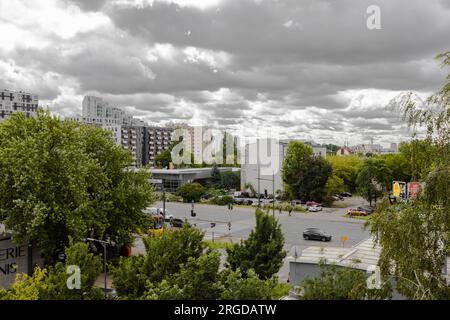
x=262, y=251
x=373, y=178
x=191, y=192
x=304, y=175
x=221, y=200
x=197, y=279
x=163, y=259
x=341, y=283
x=163, y=159
x=251, y=287
x=90, y=267
x=61, y=180
x=231, y=180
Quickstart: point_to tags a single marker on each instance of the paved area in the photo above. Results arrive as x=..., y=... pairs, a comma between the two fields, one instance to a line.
x=242, y=219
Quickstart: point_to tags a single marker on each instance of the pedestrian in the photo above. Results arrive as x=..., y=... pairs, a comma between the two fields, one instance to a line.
x=290, y=210
x=279, y=208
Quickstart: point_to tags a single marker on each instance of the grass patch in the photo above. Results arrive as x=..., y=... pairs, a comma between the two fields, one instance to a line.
x=217, y=244
x=365, y=218
x=281, y=290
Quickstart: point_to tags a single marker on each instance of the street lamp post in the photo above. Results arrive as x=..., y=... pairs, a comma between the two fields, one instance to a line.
x=103, y=243
x=273, y=190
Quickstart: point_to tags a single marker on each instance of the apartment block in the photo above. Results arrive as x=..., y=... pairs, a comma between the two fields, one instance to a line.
x=155, y=140
x=17, y=101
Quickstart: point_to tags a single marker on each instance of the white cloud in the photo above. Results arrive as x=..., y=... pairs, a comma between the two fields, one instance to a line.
x=36, y=22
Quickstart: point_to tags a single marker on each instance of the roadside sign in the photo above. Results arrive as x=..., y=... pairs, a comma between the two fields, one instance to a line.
x=343, y=239
x=399, y=189
x=396, y=189
x=156, y=181
x=413, y=189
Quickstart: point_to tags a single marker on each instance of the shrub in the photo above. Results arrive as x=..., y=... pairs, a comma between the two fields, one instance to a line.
x=191, y=192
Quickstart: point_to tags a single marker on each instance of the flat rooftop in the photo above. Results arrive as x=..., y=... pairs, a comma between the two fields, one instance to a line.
x=362, y=256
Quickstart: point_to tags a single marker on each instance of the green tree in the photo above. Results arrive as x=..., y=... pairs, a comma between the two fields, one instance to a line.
x=231, y=180
x=26, y=287
x=345, y=167
x=335, y=185
x=399, y=167
x=340, y=283
x=198, y=279
x=373, y=177
x=61, y=180
x=164, y=257
x=262, y=251
x=215, y=176
x=163, y=159
x=191, y=192
x=294, y=164
x=77, y=254
x=423, y=225
x=418, y=160
x=303, y=174
x=251, y=287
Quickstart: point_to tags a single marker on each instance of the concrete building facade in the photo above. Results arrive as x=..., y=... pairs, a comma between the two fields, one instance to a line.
x=263, y=173
x=17, y=101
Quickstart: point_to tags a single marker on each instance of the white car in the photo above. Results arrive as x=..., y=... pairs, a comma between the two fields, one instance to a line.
x=314, y=208
x=155, y=210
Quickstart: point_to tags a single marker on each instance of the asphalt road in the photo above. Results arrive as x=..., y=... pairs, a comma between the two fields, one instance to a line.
x=242, y=219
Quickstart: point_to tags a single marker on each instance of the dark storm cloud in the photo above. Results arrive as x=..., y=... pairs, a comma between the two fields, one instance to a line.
x=89, y=5
x=243, y=61
x=327, y=31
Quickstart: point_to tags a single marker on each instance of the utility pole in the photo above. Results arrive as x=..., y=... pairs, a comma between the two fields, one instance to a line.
x=273, y=190
x=103, y=243
x=164, y=205
x=273, y=193
x=259, y=170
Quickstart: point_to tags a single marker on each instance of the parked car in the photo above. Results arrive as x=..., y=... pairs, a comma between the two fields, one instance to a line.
x=313, y=203
x=243, y=201
x=357, y=213
x=314, y=208
x=316, y=234
x=368, y=209
x=338, y=197
x=176, y=222
x=345, y=194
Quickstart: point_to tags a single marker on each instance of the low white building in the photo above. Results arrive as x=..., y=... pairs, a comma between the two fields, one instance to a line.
x=263, y=173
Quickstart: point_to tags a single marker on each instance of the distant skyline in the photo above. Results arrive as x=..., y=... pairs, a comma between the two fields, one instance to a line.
x=307, y=69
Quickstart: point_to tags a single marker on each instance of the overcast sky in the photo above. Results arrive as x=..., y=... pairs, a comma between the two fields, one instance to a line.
x=309, y=69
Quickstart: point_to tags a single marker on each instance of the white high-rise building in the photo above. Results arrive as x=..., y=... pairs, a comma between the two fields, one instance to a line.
x=17, y=101
x=126, y=130
x=262, y=164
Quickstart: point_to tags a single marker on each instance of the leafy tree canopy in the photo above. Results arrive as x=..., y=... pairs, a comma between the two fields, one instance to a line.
x=262, y=251
x=191, y=192
x=61, y=180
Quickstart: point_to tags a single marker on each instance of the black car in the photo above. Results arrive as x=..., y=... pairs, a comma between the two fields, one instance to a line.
x=316, y=234
x=345, y=194
x=176, y=222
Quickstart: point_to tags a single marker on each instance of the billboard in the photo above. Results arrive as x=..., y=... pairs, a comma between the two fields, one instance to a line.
x=413, y=189
x=399, y=189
